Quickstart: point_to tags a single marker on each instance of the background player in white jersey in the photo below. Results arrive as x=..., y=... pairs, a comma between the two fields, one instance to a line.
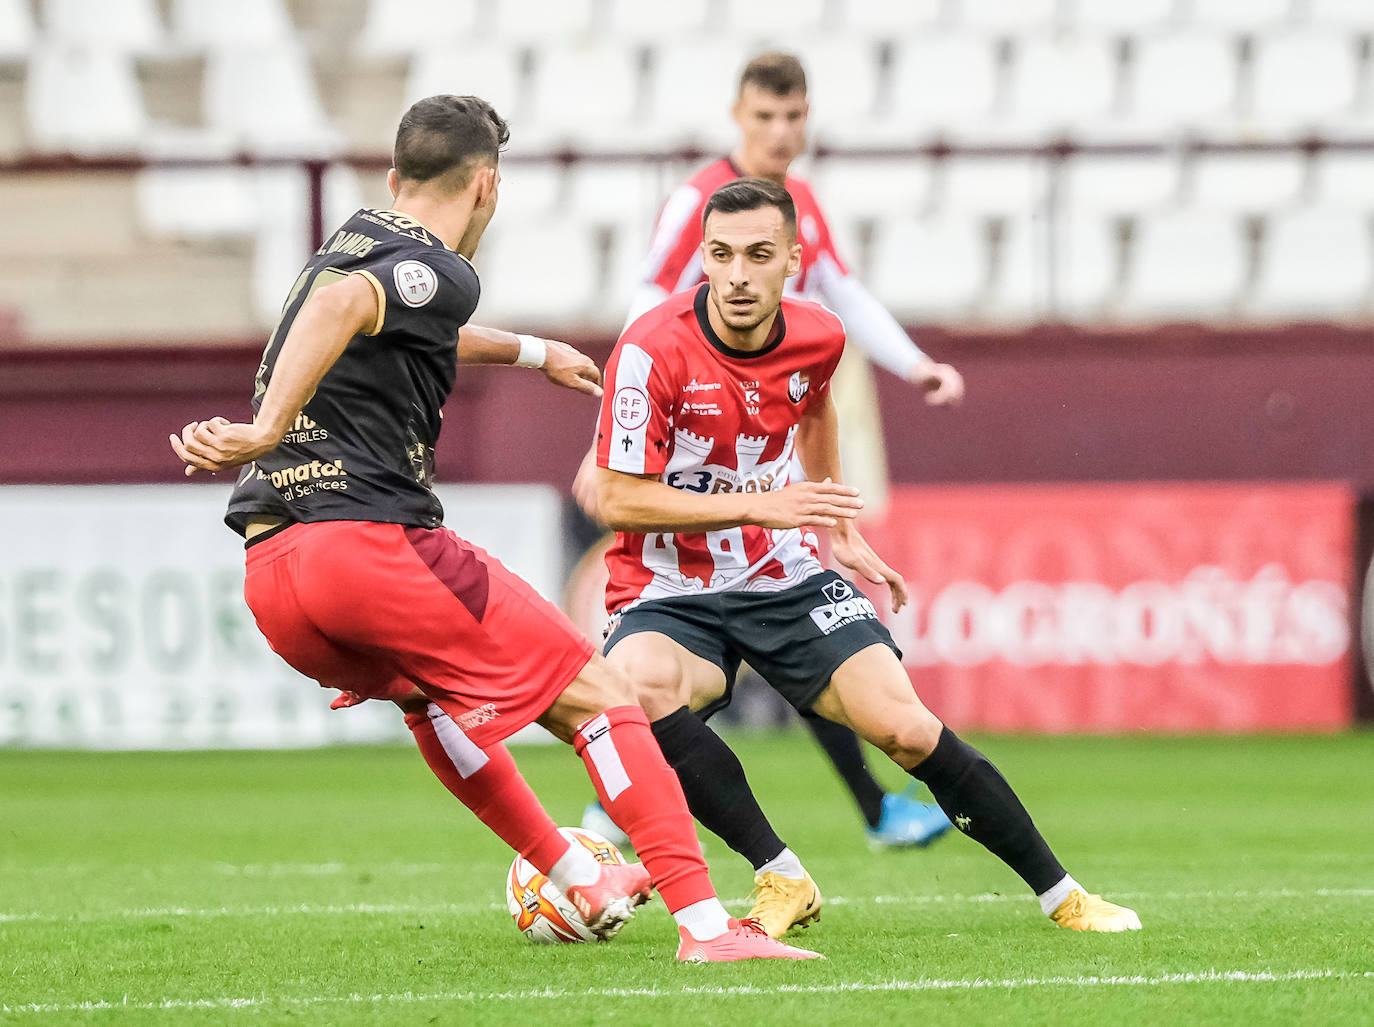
x=716, y=559
x=771, y=112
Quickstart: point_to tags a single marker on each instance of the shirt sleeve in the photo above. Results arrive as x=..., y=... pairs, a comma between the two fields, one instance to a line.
x=676, y=243
x=635, y=426
x=866, y=321
x=426, y=293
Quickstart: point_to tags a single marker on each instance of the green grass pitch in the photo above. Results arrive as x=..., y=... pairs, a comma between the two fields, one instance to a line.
x=344, y=886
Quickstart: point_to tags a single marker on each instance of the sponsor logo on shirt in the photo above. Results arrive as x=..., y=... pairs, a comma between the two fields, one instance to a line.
x=798, y=386
x=417, y=283
x=484, y=714
x=696, y=386
x=845, y=606
x=630, y=407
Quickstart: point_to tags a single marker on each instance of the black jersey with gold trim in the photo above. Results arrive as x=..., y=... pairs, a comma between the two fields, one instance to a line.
x=362, y=449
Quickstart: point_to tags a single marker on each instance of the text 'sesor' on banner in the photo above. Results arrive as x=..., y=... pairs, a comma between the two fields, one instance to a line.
x=1152, y=607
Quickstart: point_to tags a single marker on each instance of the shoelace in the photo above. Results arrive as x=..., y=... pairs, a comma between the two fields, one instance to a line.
x=752, y=924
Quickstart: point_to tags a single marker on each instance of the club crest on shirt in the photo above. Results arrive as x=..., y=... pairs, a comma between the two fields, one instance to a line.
x=415, y=282
x=798, y=386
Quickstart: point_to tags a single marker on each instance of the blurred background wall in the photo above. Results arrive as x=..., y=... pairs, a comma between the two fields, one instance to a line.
x=1144, y=232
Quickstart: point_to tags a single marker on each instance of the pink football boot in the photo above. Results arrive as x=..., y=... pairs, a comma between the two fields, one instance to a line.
x=746, y=939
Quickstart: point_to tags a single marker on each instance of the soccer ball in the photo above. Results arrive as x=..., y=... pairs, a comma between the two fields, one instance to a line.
x=542, y=912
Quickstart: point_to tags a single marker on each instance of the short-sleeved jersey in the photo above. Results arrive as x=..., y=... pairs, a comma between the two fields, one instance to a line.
x=362, y=449
x=674, y=260
x=707, y=418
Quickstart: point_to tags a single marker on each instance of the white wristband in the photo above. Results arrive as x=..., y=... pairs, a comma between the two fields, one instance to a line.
x=533, y=352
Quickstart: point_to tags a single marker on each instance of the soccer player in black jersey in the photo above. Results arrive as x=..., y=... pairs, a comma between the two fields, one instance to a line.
x=361, y=587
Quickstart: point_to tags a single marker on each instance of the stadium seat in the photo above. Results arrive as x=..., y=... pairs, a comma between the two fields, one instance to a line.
x=998, y=17
x=1058, y=82
x=539, y=275
x=763, y=19
x=1019, y=285
x=1351, y=15
x=929, y=267
x=196, y=203
x=201, y=25
x=624, y=196
x=1185, y=264
x=532, y=192
x=1344, y=179
x=872, y=189
x=1117, y=17
x=133, y=26
x=883, y=20
x=1247, y=16
x=490, y=70
x=990, y=185
x=650, y=22
x=84, y=100
x=1303, y=78
x=408, y=26
x=265, y=98
x=944, y=84
x=1314, y=264
x=1246, y=183
x=842, y=75
x=1087, y=265
x=584, y=94
x=692, y=86
x=17, y=32
x=548, y=21
x=1120, y=184
x=1183, y=80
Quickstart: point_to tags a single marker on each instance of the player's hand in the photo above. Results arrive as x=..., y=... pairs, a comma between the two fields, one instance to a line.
x=821, y=504
x=218, y=443
x=853, y=551
x=943, y=385
x=584, y=487
x=571, y=368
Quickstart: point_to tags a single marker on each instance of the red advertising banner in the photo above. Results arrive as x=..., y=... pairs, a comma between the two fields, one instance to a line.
x=1132, y=607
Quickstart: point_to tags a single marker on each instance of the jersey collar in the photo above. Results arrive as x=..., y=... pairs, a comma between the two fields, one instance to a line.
x=775, y=334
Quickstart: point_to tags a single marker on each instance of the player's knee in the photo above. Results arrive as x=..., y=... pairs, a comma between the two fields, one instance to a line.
x=658, y=683
x=908, y=741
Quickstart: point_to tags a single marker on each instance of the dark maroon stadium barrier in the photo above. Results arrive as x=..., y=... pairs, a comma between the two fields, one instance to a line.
x=1047, y=404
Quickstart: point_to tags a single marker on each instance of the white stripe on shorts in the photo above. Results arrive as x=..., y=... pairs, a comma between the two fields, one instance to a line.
x=467, y=758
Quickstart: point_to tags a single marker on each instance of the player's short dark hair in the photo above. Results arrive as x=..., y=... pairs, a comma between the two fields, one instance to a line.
x=779, y=73
x=752, y=194
x=446, y=134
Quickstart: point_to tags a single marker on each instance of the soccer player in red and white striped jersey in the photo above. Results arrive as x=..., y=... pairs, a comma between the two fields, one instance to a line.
x=715, y=560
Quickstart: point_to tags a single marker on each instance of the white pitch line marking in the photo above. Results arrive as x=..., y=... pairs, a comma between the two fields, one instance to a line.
x=461, y=908
x=848, y=987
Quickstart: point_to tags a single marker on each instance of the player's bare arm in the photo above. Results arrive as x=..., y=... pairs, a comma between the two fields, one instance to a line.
x=818, y=447
x=326, y=323
x=561, y=364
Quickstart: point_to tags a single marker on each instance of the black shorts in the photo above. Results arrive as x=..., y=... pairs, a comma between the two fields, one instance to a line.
x=795, y=639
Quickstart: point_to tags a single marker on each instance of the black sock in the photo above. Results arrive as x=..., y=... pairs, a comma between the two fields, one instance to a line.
x=713, y=781
x=842, y=746
x=978, y=799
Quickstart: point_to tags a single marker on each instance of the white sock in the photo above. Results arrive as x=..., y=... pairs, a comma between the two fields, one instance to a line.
x=1054, y=898
x=576, y=866
x=784, y=864
x=704, y=920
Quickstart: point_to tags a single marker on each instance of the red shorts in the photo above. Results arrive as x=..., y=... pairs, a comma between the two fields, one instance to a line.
x=378, y=609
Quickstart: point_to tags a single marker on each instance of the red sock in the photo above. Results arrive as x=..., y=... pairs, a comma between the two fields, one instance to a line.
x=641, y=793
x=488, y=782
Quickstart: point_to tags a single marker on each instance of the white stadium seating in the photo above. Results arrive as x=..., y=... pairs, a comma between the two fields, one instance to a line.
x=1268, y=232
